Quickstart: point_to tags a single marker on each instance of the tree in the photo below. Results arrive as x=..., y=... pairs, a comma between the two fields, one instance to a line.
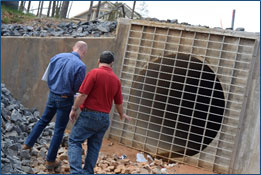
x=39, y=7
x=143, y=9
x=58, y=9
x=28, y=7
x=41, y=10
x=133, y=9
x=22, y=4
x=64, y=9
x=90, y=11
x=49, y=8
x=98, y=10
x=54, y=7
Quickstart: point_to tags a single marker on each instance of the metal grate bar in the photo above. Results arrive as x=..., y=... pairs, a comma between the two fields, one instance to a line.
x=237, y=94
x=142, y=88
x=200, y=127
x=145, y=141
x=164, y=114
x=229, y=95
x=232, y=127
x=179, y=110
x=214, y=138
x=192, y=39
x=212, y=65
x=186, y=101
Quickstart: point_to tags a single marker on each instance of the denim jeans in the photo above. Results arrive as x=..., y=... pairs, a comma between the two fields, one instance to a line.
x=91, y=126
x=55, y=105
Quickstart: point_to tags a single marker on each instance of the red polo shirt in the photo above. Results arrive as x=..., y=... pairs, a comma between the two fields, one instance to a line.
x=102, y=87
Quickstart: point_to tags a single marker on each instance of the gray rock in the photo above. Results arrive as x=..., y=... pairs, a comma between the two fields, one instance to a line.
x=5, y=160
x=9, y=126
x=25, y=154
x=26, y=162
x=16, y=116
x=174, y=21
x=18, y=130
x=34, y=152
x=104, y=27
x=12, y=133
x=29, y=28
x=27, y=169
x=6, y=168
x=32, y=118
x=240, y=29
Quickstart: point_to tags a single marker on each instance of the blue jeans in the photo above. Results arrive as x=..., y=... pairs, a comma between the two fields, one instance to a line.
x=55, y=105
x=91, y=126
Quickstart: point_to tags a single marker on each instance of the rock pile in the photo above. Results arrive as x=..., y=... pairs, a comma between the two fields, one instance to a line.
x=16, y=123
x=62, y=29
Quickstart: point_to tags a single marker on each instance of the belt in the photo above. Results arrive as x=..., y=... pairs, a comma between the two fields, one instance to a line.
x=88, y=110
x=62, y=96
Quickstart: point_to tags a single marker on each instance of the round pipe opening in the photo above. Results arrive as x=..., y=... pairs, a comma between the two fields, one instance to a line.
x=179, y=103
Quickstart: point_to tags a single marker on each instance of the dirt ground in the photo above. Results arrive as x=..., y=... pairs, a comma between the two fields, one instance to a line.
x=112, y=147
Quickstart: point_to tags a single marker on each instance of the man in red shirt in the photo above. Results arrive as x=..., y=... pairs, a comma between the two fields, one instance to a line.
x=99, y=88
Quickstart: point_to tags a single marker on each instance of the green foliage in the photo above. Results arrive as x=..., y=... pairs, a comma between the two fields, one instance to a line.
x=9, y=15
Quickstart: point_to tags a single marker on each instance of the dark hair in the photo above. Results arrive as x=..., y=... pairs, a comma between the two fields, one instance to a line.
x=107, y=57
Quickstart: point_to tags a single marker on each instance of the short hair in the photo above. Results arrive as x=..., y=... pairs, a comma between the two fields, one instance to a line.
x=107, y=57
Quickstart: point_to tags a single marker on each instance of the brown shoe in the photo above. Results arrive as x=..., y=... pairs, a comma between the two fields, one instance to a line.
x=25, y=147
x=52, y=165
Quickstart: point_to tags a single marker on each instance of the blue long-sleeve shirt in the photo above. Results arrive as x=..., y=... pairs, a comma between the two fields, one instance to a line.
x=66, y=73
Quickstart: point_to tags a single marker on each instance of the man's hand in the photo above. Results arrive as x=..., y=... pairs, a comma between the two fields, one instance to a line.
x=125, y=116
x=73, y=115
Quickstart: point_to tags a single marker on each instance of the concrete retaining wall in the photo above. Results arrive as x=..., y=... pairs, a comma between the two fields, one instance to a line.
x=23, y=62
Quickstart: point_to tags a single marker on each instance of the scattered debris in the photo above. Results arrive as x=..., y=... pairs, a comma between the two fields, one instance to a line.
x=140, y=158
x=123, y=156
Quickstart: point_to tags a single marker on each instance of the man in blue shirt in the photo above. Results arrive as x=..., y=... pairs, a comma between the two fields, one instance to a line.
x=66, y=73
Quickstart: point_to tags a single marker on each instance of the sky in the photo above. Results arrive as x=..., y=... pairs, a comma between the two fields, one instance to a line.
x=208, y=13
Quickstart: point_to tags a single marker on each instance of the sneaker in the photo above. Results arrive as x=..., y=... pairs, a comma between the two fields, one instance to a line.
x=25, y=147
x=52, y=165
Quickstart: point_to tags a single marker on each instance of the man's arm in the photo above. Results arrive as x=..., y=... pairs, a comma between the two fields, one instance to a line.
x=77, y=103
x=119, y=108
x=79, y=78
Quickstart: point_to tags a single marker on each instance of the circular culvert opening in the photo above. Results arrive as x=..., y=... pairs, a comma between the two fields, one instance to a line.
x=180, y=105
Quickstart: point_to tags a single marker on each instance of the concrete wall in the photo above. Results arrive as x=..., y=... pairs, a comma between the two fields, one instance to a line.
x=247, y=159
x=23, y=62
